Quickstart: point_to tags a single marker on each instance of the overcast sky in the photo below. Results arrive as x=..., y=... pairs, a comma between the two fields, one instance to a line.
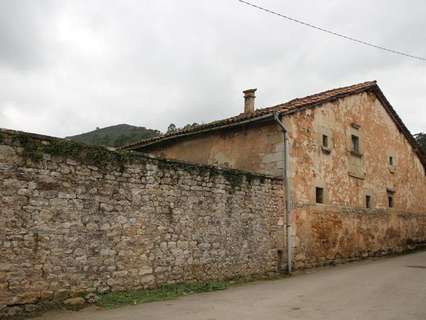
x=67, y=67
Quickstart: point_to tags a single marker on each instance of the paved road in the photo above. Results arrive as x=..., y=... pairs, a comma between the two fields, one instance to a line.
x=388, y=288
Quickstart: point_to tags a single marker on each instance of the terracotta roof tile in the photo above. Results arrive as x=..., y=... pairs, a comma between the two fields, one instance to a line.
x=289, y=106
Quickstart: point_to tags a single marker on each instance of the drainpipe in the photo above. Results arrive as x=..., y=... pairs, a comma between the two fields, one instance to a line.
x=286, y=184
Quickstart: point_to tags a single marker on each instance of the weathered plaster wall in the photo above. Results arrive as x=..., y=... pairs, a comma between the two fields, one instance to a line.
x=346, y=178
x=330, y=234
x=343, y=228
x=67, y=226
x=255, y=148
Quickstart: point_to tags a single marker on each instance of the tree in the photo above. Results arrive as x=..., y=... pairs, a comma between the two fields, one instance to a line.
x=188, y=126
x=171, y=128
x=421, y=140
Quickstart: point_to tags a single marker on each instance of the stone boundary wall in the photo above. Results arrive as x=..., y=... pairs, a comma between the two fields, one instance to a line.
x=78, y=219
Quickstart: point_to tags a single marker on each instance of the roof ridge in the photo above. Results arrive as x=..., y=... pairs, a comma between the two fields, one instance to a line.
x=360, y=85
x=293, y=104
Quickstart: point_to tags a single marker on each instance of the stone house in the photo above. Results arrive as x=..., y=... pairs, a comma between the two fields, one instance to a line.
x=343, y=151
x=347, y=147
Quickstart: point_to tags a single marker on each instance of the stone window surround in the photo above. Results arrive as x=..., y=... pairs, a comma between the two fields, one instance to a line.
x=390, y=201
x=324, y=139
x=320, y=185
x=325, y=143
x=319, y=195
x=355, y=141
x=392, y=162
x=367, y=201
x=390, y=196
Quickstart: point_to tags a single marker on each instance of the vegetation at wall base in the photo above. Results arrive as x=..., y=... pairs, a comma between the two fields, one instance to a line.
x=165, y=292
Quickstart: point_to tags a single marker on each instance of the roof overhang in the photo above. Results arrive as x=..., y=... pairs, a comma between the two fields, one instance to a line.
x=267, y=114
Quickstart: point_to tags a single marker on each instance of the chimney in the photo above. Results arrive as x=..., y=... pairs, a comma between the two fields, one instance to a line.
x=249, y=99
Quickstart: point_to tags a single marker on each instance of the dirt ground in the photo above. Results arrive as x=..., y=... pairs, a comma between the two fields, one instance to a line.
x=388, y=288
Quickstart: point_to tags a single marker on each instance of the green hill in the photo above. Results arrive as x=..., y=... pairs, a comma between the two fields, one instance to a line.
x=115, y=136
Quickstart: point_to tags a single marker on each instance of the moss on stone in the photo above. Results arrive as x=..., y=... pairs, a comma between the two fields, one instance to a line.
x=234, y=179
x=31, y=149
x=34, y=149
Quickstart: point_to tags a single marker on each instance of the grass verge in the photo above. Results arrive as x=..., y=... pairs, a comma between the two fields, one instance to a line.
x=166, y=292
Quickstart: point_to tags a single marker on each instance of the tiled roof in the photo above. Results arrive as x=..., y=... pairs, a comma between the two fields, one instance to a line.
x=292, y=105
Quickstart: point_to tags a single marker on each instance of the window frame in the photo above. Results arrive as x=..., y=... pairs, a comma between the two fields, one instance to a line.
x=391, y=202
x=319, y=195
x=390, y=196
x=325, y=141
x=392, y=162
x=368, y=201
x=355, y=144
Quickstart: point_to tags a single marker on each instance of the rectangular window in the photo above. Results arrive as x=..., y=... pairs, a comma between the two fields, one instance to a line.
x=391, y=161
x=355, y=143
x=368, y=201
x=390, y=201
x=325, y=141
x=319, y=195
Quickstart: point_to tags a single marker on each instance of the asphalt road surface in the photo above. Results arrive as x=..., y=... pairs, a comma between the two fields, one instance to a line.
x=387, y=288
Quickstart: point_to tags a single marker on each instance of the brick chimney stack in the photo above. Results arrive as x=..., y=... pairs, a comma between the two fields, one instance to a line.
x=249, y=99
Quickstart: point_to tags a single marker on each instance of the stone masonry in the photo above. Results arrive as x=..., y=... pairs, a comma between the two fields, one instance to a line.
x=68, y=227
x=76, y=219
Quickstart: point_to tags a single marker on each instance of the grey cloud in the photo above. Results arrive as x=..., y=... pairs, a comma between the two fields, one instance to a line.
x=150, y=63
x=21, y=40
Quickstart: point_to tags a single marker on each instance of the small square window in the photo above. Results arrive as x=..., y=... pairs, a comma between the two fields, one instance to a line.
x=391, y=161
x=368, y=201
x=319, y=195
x=390, y=201
x=355, y=143
x=325, y=141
